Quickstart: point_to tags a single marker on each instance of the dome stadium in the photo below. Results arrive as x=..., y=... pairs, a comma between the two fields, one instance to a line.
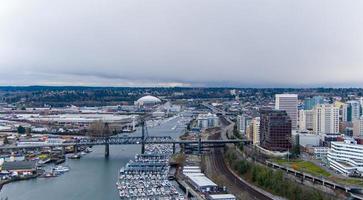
x=148, y=100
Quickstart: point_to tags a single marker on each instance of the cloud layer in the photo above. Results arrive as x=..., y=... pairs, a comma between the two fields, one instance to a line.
x=260, y=43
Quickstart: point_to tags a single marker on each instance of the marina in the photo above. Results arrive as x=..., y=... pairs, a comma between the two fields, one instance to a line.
x=146, y=177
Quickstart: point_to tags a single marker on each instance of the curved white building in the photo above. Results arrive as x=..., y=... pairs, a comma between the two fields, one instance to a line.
x=147, y=100
x=346, y=157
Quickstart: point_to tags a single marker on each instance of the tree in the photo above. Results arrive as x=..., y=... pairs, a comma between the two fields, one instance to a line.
x=21, y=129
x=254, y=174
x=295, y=151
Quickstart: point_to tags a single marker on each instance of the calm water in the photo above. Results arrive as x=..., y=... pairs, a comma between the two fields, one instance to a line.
x=91, y=178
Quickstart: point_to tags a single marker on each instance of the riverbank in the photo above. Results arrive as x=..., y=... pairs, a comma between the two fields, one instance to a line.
x=4, y=182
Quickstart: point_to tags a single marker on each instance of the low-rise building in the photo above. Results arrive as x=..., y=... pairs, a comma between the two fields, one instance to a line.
x=346, y=157
x=222, y=197
x=20, y=167
x=306, y=139
x=198, y=180
x=320, y=152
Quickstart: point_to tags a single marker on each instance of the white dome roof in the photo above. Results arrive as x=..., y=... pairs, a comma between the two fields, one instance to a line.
x=148, y=100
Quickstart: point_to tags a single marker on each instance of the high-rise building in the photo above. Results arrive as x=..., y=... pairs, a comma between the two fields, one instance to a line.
x=256, y=130
x=310, y=103
x=241, y=124
x=249, y=131
x=275, y=130
x=326, y=119
x=288, y=103
x=358, y=127
x=306, y=120
x=351, y=111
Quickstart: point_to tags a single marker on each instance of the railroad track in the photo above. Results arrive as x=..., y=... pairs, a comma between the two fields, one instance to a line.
x=220, y=165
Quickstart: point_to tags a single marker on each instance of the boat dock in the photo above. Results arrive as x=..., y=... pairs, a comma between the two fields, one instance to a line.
x=146, y=176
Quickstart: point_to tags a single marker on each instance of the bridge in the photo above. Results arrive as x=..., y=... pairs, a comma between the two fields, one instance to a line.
x=135, y=140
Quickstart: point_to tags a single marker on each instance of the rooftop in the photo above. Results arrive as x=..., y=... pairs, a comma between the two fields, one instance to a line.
x=19, y=165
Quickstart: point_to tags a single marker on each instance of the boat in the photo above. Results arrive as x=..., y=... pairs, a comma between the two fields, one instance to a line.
x=60, y=169
x=41, y=162
x=88, y=150
x=74, y=156
x=48, y=175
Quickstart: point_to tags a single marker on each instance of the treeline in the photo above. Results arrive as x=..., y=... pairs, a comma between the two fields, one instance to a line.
x=272, y=181
x=98, y=96
x=92, y=96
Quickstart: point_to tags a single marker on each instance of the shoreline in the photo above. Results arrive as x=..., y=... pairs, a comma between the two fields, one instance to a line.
x=4, y=182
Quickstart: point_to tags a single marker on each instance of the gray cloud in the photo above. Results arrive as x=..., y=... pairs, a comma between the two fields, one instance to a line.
x=168, y=42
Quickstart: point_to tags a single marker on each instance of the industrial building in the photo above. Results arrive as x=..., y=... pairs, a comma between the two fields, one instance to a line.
x=207, y=120
x=221, y=197
x=198, y=180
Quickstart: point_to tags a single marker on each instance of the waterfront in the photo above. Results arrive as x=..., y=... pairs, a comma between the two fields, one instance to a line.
x=91, y=178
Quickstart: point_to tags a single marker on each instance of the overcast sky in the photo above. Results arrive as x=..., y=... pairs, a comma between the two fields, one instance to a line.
x=245, y=43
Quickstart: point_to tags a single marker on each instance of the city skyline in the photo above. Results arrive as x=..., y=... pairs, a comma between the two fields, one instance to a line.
x=170, y=43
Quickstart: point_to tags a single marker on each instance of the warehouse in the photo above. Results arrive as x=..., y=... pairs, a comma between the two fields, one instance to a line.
x=222, y=197
x=201, y=182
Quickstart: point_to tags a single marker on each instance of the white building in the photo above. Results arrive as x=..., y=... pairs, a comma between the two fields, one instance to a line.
x=198, y=180
x=147, y=101
x=256, y=130
x=346, y=157
x=320, y=152
x=241, y=124
x=207, y=120
x=358, y=127
x=288, y=102
x=221, y=197
x=158, y=114
x=306, y=120
x=309, y=139
x=326, y=119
